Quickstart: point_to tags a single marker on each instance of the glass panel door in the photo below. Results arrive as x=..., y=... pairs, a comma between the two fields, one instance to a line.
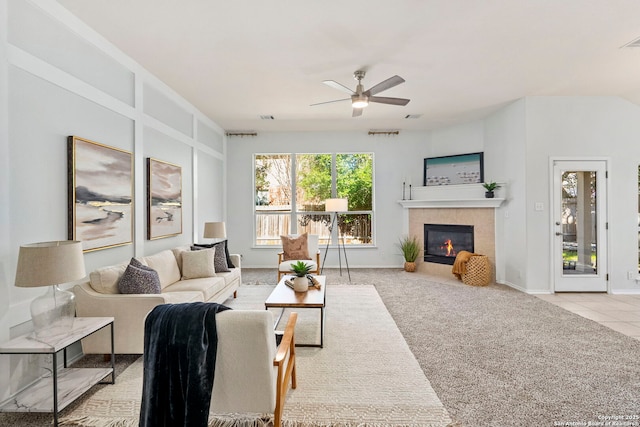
x=580, y=226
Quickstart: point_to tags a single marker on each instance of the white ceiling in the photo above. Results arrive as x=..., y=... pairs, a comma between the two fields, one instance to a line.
x=461, y=59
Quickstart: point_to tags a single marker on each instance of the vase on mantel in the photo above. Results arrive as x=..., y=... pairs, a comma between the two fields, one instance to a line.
x=489, y=194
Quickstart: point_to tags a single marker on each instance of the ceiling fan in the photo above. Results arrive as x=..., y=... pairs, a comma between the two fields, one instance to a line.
x=360, y=98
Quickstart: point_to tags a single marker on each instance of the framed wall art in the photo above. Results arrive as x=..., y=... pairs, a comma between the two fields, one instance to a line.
x=100, y=194
x=164, y=199
x=458, y=169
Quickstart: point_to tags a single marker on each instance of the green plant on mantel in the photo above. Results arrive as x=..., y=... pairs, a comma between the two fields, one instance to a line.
x=410, y=248
x=490, y=186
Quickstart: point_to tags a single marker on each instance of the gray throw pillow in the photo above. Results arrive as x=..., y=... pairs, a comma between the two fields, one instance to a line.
x=219, y=259
x=139, y=279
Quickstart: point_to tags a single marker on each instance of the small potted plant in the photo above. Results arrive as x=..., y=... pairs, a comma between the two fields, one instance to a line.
x=490, y=187
x=410, y=248
x=300, y=282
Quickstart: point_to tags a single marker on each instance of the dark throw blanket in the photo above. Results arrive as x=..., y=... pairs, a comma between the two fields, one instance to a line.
x=180, y=343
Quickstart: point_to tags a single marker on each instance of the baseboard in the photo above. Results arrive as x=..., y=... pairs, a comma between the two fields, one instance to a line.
x=625, y=291
x=526, y=291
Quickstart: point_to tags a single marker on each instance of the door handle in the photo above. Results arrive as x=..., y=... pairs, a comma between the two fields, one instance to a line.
x=558, y=233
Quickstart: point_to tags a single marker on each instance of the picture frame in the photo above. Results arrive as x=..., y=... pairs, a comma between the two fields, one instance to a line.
x=99, y=194
x=457, y=169
x=164, y=199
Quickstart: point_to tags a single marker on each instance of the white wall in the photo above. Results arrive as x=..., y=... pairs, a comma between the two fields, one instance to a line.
x=584, y=127
x=505, y=142
x=59, y=78
x=395, y=158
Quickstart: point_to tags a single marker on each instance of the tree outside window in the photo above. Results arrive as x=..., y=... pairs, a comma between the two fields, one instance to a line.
x=317, y=178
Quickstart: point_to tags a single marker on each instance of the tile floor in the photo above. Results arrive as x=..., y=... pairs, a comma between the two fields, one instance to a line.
x=618, y=312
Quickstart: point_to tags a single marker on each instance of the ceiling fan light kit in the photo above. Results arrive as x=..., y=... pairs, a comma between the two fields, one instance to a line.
x=359, y=101
x=361, y=98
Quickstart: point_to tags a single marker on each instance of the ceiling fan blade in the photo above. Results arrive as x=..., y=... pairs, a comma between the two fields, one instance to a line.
x=329, y=102
x=356, y=112
x=387, y=84
x=338, y=86
x=386, y=100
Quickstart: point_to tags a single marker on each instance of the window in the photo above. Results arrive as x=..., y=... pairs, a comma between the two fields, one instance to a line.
x=305, y=181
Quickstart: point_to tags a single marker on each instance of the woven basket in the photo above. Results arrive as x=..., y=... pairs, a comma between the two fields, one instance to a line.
x=478, y=271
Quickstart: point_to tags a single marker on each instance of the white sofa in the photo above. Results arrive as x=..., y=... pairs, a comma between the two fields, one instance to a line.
x=99, y=297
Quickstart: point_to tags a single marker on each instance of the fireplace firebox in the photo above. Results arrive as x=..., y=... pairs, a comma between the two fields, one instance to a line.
x=442, y=242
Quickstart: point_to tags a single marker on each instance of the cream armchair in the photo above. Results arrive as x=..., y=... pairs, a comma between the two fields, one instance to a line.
x=251, y=374
x=284, y=267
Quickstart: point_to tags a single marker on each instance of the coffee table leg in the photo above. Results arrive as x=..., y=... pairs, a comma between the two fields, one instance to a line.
x=321, y=327
x=275, y=325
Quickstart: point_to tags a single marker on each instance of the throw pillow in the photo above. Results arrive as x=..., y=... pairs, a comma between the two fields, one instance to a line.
x=197, y=264
x=219, y=260
x=295, y=248
x=139, y=279
x=211, y=245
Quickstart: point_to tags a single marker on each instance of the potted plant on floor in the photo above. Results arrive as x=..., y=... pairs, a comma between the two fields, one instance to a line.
x=410, y=248
x=490, y=187
x=300, y=282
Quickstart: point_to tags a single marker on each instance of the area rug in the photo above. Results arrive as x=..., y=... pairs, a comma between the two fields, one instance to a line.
x=364, y=376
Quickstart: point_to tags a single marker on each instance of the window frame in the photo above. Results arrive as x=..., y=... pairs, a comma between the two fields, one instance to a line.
x=293, y=211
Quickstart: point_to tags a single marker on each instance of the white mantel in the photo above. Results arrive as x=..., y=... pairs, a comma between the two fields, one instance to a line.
x=452, y=196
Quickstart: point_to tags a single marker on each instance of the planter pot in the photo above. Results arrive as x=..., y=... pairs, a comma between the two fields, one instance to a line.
x=410, y=266
x=489, y=194
x=300, y=284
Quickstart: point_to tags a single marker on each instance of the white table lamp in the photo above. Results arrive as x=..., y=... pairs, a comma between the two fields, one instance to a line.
x=215, y=230
x=51, y=264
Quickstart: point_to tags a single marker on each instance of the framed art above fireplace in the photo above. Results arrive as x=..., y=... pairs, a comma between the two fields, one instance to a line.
x=457, y=169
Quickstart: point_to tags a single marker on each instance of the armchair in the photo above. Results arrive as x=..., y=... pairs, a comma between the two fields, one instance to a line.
x=246, y=375
x=251, y=374
x=284, y=266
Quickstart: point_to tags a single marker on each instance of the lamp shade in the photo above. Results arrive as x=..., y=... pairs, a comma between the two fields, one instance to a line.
x=50, y=263
x=336, y=205
x=215, y=230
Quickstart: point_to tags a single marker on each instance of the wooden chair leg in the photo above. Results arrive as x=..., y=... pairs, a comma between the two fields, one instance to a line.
x=235, y=294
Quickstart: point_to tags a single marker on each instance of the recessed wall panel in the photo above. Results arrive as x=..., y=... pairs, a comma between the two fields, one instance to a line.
x=160, y=107
x=42, y=36
x=210, y=189
x=210, y=137
x=42, y=115
x=162, y=147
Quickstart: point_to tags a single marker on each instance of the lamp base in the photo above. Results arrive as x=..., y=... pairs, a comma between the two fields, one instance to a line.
x=52, y=313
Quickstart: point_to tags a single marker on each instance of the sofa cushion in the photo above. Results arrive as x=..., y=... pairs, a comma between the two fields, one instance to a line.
x=105, y=280
x=166, y=265
x=208, y=286
x=177, y=252
x=182, y=296
x=139, y=279
x=230, y=277
x=197, y=264
x=295, y=248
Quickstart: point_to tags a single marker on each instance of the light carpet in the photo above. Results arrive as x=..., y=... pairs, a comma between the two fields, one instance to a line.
x=364, y=376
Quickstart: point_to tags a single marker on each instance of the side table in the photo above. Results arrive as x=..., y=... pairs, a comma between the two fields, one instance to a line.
x=66, y=384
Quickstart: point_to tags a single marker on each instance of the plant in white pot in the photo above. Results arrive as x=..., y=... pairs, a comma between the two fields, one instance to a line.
x=411, y=249
x=300, y=282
